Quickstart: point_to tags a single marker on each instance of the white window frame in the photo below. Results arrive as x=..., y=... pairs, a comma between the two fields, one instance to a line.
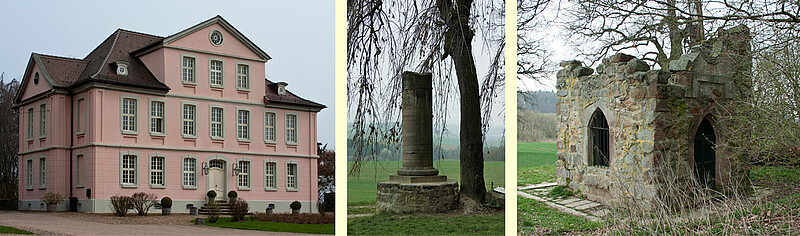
x=80, y=114
x=296, y=176
x=42, y=172
x=30, y=124
x=274, y=175
x=29, y=173
x=163, y=116
x=221, y=73
x=245, y=75
x=135, y=183
x=193, y=68
x=43, y=120
x=162, y=171
x=186, y=172
x=211, y=122
x=294, y=129
x=244, y=172
x=240, y=125
x=273, y=129
x=80, y=169
x=184, y=120
x=135, y=115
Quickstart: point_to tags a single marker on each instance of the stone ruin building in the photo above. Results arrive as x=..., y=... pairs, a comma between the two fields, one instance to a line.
x=628, y=133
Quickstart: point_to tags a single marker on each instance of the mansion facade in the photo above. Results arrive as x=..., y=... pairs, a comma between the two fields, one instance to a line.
x=176, y=116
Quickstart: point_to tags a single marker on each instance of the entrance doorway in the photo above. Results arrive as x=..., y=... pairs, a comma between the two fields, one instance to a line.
x=705, y=155
x=216, y=178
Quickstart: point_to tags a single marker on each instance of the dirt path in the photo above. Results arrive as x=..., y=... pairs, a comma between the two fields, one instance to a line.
x=69, y=224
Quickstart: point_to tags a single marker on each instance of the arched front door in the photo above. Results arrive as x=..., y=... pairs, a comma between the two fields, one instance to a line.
x=216, y=178
x=704, y=154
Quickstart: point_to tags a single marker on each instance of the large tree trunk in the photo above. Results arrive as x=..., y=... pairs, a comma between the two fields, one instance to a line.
x=458, y=45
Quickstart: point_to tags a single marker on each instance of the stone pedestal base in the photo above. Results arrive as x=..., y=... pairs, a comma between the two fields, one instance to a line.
x=417, y=179
x=417, y=197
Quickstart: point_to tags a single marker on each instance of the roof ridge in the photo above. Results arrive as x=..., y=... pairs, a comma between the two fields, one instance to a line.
x=140, y=33
x=110, y=50
x=60, y=57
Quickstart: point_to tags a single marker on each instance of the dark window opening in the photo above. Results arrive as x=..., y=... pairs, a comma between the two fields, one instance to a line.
x=598, y=137
x=705, y=154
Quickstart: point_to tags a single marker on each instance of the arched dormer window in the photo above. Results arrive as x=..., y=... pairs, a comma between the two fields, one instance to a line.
x=599, y=154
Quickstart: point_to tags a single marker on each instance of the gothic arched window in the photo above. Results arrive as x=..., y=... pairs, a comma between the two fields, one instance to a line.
x=599, y=140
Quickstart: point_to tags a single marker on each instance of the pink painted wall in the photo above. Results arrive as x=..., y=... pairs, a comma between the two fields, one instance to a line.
x=230, y=45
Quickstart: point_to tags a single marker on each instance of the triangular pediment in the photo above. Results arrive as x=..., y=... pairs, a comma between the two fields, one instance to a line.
x=35, y=81
x=233, y=42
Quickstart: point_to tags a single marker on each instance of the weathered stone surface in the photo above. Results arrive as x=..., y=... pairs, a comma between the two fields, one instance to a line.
x=417, y=125
x=585, y=71
x=621, y=57
x=418, y=197
x=636, y=65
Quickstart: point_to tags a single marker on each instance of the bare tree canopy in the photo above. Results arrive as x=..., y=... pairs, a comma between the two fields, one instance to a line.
x=386, y=38
x=9, y=142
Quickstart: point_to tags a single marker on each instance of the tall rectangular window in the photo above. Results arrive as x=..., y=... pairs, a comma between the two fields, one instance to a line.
x=42, y=172
x=244, y=174
x=129, y=115
x=30, y=123
x=79, y=115
x=187, y=74
x=157, y=117
x=79, y=171
x=189, y=120
x=42, y=120
x=242, y=76
x=189, y=170
x=243, y=124
x=291, y=129
x=291, y=176
x=29, y=175
x=157, y=171
x=270, y=180
x=128, y=170
x=215, y=74
x=217, y=127
x=269, y=127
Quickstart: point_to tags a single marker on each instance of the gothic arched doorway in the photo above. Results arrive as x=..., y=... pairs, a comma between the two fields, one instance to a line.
x=705, y=155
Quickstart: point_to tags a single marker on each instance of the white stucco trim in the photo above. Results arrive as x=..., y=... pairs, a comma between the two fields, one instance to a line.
x=135, y=130
x=194, y=121
x=163, y=117
x=194, y=71
x=249, y=124
x=249, y=174
x=249, y=77
x=274, y=127
x=164, y=169
x=211, y=134
x=275, y=178
x=135, y=170
x=222, y=71
x=296, y=174
x=296, y=128
x=197, y=171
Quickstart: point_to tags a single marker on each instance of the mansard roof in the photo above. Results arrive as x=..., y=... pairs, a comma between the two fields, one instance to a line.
x=272, y=96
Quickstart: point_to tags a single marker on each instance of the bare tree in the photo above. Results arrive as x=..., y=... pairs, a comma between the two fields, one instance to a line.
x=386, y=38
x=9, y=133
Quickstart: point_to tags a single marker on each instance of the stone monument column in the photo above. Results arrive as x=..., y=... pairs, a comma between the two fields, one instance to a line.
x=417, y=124
x=417, y=187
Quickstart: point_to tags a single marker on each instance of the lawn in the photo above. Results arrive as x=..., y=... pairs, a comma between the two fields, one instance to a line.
x=536, y=163
x=779, y=213
x=225, y=222
x=427, y=224
x=12, y=230
x=362, y=189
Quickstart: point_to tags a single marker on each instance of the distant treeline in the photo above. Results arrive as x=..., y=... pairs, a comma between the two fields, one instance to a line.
x=384, y=152
x=536, y=118
x=540, y=101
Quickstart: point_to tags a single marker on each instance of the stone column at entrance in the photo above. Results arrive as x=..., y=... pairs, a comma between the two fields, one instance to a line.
x=417, y=187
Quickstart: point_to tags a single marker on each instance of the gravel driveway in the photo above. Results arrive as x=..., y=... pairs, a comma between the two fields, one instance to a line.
x=70, y=223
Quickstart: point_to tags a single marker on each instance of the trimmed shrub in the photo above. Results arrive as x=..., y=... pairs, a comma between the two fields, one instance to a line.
x=232, y=194
x=120, y=205
x=213, y=212
x=52, y=198
x=142, y=202
x=211, y=194
x=239, y=209
x=166, y=202
x=296, y=205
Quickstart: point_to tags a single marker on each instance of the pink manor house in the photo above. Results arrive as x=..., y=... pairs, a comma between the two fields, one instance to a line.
x=176, y=116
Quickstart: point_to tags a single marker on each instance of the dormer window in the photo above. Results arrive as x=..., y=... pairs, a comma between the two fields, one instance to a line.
x=122, y=68
x=282, y=88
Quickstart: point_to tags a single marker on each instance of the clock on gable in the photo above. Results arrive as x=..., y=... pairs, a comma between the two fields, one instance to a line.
x=215, y=37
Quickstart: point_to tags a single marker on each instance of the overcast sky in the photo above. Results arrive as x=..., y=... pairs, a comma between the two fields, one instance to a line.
x=298, y=35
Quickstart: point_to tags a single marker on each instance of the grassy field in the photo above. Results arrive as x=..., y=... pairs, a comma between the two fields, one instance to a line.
x=536, y=163
x=225, y=222
x=362, y=189
x=777, y=213
x=442, y=224
x=12, y=230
